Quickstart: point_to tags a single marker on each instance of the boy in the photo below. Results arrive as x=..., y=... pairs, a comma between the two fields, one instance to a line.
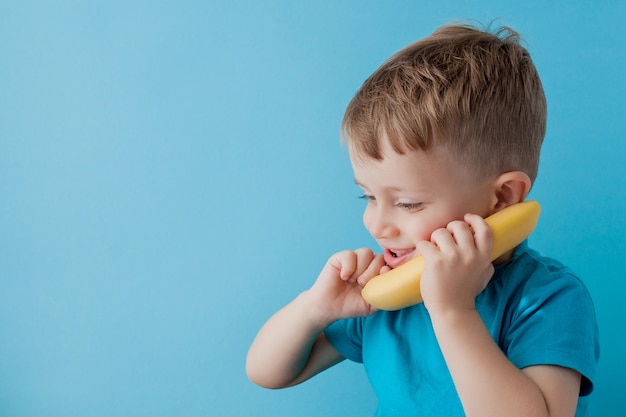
x=450, y=125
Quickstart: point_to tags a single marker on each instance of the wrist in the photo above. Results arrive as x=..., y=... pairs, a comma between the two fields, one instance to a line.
x=450, y=313
x=317, y=314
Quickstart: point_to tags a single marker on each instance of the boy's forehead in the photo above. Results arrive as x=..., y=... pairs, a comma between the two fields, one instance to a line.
x=391, y=167
x=402, y=170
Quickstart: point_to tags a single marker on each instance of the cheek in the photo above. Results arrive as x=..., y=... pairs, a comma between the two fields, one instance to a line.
x=367, y=215
x=366, y=219
x=418, y=232
x=422, y=229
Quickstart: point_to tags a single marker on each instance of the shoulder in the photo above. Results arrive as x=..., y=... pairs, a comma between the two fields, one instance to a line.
x=548, y=316
x=533, y=276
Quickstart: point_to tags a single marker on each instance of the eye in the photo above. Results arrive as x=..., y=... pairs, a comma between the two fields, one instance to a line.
x=367, y=197
x=409, y=206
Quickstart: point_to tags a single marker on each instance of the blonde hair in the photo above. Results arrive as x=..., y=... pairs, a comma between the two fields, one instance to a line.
x=475, y=93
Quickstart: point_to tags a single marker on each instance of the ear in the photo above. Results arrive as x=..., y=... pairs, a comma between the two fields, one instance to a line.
x=510, y=188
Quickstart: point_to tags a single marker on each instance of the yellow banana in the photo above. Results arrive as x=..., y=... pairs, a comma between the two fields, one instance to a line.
x=400, y=287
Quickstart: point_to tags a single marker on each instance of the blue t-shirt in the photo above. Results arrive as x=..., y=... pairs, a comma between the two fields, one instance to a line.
x=536, y=310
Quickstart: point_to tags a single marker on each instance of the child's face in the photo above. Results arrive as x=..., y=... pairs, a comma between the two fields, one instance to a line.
x=411, y=195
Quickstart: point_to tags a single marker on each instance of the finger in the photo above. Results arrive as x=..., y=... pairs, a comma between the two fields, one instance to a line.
x=442, y=238
x=345, y=262
x=462, y=234
x=364, y=258
x=426, y=248
x=373, y=269
x=481, y=232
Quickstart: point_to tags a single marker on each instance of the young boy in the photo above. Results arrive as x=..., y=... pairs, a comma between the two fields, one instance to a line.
x=450, y=125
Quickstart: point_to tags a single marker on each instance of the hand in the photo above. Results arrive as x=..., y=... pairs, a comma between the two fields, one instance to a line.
x=457, y=265
x=337, y=291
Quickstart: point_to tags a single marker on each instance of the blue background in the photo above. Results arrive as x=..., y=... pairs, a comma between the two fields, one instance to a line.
x=170, y=175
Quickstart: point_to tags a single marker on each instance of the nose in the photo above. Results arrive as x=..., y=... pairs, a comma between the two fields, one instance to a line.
x=380, y=223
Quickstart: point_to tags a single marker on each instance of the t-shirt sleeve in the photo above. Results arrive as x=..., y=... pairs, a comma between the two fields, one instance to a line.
x=555, y=324
x=346, y=336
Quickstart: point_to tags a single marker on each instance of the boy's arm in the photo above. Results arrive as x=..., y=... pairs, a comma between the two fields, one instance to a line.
x=488, y=383
x=291, y=347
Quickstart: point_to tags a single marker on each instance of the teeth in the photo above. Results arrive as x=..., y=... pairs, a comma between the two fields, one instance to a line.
x=400, y=252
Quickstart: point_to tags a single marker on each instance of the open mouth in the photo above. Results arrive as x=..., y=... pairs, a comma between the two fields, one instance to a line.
x=397, y=253
x=396, y=257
